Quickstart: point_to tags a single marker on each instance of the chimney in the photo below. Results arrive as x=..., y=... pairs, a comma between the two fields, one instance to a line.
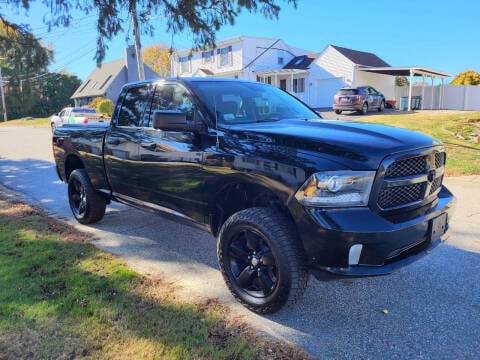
x=131, y=63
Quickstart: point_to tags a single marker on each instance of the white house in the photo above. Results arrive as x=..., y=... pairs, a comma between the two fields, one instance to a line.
x=240, y=57
x=312, y=77
x=321, y=75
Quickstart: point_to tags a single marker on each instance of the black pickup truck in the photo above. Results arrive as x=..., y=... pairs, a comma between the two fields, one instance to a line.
x=285, y=192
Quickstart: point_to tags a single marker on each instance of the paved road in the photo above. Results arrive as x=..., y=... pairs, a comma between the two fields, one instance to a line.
x=433, y=305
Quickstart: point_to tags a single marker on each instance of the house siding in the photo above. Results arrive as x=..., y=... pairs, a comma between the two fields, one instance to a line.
x=264, y=53
x=336, y=64
x=245, y=49
x=383, y=83
x=116, y=86
x=197, y=61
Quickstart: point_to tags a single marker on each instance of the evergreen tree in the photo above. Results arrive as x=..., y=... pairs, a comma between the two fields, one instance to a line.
x=202, y=17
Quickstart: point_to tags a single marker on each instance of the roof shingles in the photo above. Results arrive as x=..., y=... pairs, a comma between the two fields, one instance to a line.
x=99, y=80
x=361, y=57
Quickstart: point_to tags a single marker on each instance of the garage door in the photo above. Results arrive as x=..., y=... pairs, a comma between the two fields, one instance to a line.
x=326, y=89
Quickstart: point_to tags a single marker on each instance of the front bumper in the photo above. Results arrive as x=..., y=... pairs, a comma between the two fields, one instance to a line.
x=388, y=243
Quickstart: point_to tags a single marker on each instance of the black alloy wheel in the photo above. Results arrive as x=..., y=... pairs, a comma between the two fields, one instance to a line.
x=87, y=205
x=76, y=192
x=252, y=263
x=261, y=259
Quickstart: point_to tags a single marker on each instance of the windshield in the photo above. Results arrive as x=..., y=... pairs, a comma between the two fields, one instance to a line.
x=348, y=91
x=236, y=102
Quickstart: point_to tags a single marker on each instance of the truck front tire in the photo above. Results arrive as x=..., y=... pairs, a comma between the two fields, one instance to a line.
x=261, y=259
x=87, y=205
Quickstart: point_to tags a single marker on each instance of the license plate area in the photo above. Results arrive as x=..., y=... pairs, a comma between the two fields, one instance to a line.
x=438, y=226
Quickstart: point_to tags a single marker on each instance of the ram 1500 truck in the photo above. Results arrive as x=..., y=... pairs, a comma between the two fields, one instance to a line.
x=285, y=192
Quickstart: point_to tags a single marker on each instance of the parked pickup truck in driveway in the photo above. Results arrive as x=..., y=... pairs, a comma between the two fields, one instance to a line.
x=285, y=192
x=76, y=115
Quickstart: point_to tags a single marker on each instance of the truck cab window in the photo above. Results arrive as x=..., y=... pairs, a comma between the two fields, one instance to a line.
x=133, y=107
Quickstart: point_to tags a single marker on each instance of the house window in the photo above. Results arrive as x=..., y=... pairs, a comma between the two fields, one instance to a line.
x=207, y=57
x=225, y=56
x=280, y=56
x=185, y=64
x=299, y=61
x=265, y=80
x=299, y=85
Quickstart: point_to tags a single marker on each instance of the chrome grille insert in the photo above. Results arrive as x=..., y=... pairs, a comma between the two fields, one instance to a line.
x=406, y=167
x=410, y=180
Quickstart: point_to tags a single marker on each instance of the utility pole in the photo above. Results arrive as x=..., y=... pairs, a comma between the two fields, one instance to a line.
x=3, y=97
x=138, y=46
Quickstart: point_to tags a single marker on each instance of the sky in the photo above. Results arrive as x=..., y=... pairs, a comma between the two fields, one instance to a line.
x=438, y=34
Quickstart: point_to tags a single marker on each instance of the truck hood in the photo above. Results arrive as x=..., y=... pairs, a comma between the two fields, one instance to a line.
x=359, y=146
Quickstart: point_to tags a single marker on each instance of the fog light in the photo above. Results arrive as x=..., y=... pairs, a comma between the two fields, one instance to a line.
x=354, y=254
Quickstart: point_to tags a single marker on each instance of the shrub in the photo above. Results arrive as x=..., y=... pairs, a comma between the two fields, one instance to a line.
x=94, y=103
x=105, y=107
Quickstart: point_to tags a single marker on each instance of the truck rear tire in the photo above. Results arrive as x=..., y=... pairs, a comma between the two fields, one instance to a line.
x=87, y=205
x=261, y=259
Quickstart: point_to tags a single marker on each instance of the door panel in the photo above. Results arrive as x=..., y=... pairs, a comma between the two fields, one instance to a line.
x=170, y=162
x=121, y=142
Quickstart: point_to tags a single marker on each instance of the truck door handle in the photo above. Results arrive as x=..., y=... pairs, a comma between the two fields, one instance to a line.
x=149, y=146
x=113, y=141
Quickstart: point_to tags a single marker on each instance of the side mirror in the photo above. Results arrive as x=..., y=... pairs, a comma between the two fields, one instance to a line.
x=170, y=120
x=173, y=120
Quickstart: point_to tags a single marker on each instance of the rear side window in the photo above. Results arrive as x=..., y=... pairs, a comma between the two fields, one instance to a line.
x=171, y=97
x=348, y=92
x=133, y=107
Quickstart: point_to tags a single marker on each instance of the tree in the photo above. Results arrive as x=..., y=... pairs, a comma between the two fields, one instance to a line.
x=468, y=77
x=401, y=81
x=53, y=93
x=202, y=17
x=23, y=57
x=158, y=58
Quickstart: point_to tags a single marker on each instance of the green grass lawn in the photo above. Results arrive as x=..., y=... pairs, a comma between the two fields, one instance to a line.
x=457, y=130
x=63, y=298
x=454, y=129
x=37, y=122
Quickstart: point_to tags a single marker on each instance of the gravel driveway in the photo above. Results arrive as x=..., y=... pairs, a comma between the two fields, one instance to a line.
x=429, y=310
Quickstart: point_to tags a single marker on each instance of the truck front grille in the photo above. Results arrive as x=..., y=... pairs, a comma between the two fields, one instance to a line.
x=410, y=179
x=400, y=195
x=407, y=167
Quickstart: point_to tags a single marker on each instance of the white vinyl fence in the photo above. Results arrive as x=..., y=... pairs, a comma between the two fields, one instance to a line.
x=446, y=97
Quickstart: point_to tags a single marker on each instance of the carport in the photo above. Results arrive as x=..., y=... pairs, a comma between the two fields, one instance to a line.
x=410, y=72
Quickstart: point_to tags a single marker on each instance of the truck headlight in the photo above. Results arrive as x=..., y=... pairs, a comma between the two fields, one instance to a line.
x=336, y=188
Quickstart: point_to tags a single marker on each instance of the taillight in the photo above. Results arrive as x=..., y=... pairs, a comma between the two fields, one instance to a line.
x=85, y=121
